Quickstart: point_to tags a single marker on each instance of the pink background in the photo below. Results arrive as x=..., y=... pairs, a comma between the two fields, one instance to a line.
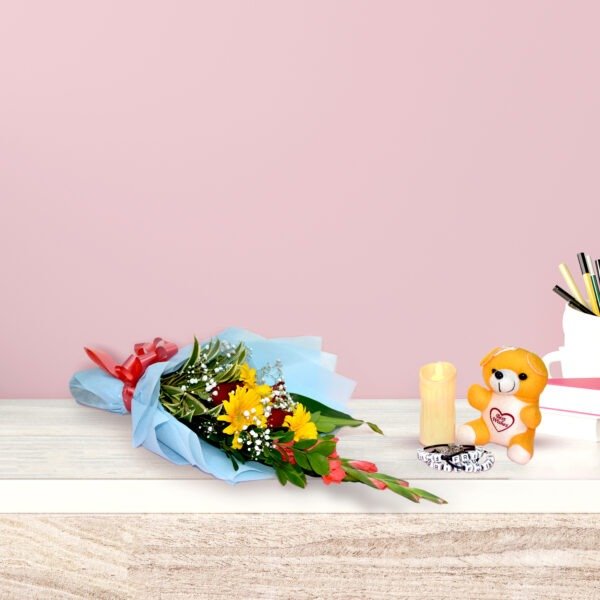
x=401, y=178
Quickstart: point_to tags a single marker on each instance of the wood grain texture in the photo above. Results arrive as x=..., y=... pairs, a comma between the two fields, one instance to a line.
x=297, y=556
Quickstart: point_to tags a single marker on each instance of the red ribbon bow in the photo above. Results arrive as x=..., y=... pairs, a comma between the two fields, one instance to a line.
x=130, y=372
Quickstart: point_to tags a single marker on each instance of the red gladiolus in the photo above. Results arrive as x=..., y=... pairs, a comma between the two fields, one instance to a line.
x=363, y=465
x=334, y=454
x=336, y=472
x=285, y=449
x=223, y=390
x=380, y=485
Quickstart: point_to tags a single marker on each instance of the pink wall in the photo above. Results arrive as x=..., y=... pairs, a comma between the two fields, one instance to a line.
x=399, y=177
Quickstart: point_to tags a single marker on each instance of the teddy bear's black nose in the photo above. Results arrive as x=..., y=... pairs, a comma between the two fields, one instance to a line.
x=498, y=375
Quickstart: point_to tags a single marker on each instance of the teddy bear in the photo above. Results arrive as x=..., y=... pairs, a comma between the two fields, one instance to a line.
x=509, y=405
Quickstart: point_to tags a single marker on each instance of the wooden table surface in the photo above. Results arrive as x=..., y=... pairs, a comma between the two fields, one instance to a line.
x=50, y=445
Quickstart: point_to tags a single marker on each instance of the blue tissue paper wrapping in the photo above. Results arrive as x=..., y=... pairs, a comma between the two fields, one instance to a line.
x=307, y=370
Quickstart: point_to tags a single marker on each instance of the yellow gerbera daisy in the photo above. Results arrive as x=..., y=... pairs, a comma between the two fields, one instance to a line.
x=248, y=376
x=242, y=410
x=300, y=424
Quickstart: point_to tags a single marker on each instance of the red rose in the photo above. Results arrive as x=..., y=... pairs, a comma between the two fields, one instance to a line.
x=277, y=417
x=222, y=391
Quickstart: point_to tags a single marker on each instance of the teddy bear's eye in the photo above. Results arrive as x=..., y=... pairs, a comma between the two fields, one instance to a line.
x=522, y=376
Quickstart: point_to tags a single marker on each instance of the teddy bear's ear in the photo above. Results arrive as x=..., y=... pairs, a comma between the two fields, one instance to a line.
x=486, y=359
x=537, y=364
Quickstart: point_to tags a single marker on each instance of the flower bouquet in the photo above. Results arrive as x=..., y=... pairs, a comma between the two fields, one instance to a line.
x=239, y=407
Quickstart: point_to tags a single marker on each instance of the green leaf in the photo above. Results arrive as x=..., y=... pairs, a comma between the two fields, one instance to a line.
x=428, y=496
x=233, y=462
x=239, y=354
x=366, y=478
x=328, y=418
x=185, y=405
x=375, y=428
x=273, y=459
x=304, y=444
x=315, y=406
x=318, y=463
x=191, y=361
x=328, y=424
x=281, y=475
x=394, y=485
x=285, y=437
x=324, y=448
x=171, y=390
x=236, y=453
x=302, y=459
x=213, y=349
x=215, y=411
x=199, y=408
x=386, y=478
x=406, y=492
x=229, y=375
x=295, y=476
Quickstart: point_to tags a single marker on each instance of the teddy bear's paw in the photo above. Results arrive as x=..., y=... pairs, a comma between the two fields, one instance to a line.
x=518, y=454
x=465, y=434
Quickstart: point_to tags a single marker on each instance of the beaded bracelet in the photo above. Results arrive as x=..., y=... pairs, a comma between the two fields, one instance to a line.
x=453, y=457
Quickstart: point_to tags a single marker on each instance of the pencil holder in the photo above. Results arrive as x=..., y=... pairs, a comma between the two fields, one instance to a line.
x=579, y=356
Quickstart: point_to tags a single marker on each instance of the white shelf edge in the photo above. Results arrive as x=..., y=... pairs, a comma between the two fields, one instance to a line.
x=93, y=496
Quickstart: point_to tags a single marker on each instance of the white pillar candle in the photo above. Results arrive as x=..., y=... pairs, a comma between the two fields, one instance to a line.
x=438, y=392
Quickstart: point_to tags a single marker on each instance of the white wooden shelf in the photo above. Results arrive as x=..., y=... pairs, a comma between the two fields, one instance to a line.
x=59, y=457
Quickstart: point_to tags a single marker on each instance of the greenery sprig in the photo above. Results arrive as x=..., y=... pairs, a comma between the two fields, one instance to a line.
x=186, y=393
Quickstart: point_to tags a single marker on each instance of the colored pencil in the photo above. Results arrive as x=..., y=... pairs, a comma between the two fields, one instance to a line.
x=566, y=273
x=572, y=301
x=589, y=285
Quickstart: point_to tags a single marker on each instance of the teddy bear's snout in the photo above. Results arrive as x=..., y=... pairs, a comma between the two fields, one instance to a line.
x=504, y=381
